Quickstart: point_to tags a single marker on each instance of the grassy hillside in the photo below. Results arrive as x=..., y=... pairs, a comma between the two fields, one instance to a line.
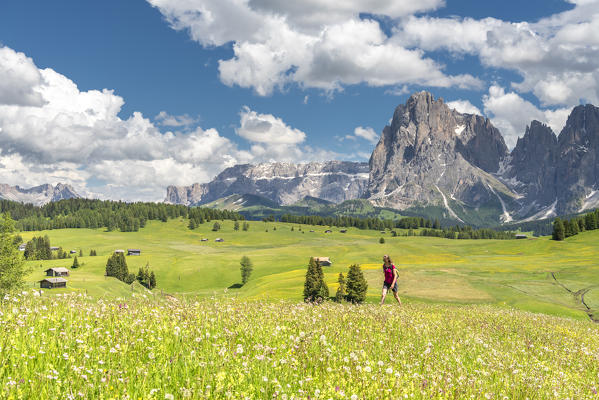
x=74, y=347
x=508, y=273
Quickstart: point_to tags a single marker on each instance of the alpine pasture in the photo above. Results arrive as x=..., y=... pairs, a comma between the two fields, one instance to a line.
x=494, y=319
x=538, y=275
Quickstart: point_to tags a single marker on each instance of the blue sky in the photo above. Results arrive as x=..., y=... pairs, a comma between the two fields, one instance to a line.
x=284, y=67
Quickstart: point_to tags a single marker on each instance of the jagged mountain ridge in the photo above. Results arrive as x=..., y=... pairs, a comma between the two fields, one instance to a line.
x=557, y=175
x=38, y=195
x=283, y=183
x=433, y=157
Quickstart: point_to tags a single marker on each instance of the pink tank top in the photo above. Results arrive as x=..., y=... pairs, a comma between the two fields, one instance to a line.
x=389, y=275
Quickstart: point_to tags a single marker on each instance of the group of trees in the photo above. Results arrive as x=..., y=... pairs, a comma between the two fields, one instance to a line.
x=38, y=248
x=427, y=227
x=570, y=227
x=352, y=289
x=116, y=266
x=199, y=215
x=467, y=232
x=146, y=277
x=86, y=213
x=246, y=226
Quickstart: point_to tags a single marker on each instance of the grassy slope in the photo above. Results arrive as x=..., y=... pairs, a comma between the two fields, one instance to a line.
x=515, y=273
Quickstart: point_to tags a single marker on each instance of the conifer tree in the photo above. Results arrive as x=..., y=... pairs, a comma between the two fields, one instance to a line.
x=590, y=222
x=246, y=226
x=356, y=285
x=236, y=226
x=216, y=226
x=246, y=269
x=573, y=227
x=75, y=263
x=315, y=289
x=152, y=280
x=558, y=230
x=30, y=250
x=340, y=295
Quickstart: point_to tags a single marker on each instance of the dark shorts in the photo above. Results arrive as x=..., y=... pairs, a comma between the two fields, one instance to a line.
x=388, y=286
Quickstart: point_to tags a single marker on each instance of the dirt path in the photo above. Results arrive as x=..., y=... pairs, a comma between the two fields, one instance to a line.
x=579, y=297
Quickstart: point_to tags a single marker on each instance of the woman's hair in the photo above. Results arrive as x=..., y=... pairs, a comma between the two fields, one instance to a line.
x=388, y=258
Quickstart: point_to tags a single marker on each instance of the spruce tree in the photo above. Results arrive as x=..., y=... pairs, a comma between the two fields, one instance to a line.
x=216, y=226
x=75, y=263
x=152, y=280
x=356, y=285
x=236, y=226
x=311, y=284
x=590, y=222
x=246, y=269
x=340, y=295
x=558, y=230
x=323, y=289
x=246, y=226
x=574, y=227
x=30, y=250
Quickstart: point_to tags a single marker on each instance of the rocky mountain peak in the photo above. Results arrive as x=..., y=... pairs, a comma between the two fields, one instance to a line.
x=38, y=195
x=430, y=154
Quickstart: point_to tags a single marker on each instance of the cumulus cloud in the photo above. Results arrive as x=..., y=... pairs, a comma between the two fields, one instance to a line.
x=73, y=136
x=557, y=56
x=510, y=113
x=464, y=107
x=320, y=44
x=19, y=81
x=165, y=119
x=366, y=133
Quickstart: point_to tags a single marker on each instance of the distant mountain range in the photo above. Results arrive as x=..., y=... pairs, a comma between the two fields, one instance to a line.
x=38, y=195
x=436, y=162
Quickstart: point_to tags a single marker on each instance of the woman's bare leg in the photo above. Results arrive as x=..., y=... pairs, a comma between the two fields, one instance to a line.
x=397, y=297
x=384, y=295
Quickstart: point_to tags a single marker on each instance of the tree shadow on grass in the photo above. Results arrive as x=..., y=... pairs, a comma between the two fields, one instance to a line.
x=235, y=286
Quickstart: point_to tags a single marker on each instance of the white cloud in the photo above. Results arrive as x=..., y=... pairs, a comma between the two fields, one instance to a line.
x=18, y=79
x=165, y=119
x=510, y=113
x=322, y=44
x=464, y=107
x=266, y=128
x=77, y=137
x=557, y=56
x=367, y=134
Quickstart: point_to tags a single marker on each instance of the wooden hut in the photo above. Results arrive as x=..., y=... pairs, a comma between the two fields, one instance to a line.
x=323, y=261
x=57, y=271
x=53, y=283
x=133, y=252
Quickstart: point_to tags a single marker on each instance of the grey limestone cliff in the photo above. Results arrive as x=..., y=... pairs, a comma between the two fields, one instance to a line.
x=38, y=195
x=432, y=155
x=283, y=183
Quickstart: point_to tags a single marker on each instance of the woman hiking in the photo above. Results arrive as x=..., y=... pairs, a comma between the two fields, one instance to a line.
x=391, y=276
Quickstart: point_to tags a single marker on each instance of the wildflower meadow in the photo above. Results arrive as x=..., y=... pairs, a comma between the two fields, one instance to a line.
x=72, y=346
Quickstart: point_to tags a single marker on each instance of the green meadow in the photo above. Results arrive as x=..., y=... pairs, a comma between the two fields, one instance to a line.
x=537, y=274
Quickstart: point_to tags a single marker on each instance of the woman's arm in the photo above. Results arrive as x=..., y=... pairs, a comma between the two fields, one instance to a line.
x=395, y=276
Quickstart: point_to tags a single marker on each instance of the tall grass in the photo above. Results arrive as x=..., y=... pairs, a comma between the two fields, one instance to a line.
x=72, y=346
